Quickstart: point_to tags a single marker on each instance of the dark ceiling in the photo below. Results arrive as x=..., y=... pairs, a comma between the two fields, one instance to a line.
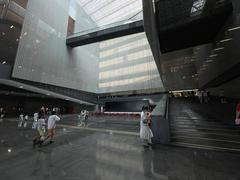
x=199, y=51
x=179, y=28
x=9, y=38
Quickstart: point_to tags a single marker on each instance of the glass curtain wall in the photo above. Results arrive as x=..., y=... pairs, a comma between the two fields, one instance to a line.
x=127, y=63
x=116, y=65
x=43, y=55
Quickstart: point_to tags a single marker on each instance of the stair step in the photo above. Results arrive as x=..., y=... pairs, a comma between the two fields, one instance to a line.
x=196, y=126
x=208, y=142
x=197, y=146
x=208, y=135
x=172, y=119
x=220, y=124
x=214, y=139
x=176, y=128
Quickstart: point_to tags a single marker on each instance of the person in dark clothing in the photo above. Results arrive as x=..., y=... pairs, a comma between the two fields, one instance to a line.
x=2, y=114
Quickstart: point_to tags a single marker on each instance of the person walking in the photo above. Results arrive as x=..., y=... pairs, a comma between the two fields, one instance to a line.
x=145, y=131
x=2, y=114
x=41, y=131
x=21, y=120
x=35, y=117
x=85, y=118
x=25, y=120
x=52, y=125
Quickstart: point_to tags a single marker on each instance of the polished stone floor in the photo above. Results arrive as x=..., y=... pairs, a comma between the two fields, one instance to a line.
x=80, y=154
x=106, y=122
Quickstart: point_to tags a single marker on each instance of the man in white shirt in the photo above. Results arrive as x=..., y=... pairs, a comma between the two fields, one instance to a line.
x=52, y=125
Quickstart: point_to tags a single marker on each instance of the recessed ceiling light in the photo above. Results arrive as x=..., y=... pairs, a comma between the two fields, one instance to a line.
x=218, y=49
x=11, y=26
x=210, y=60
x=233, y=29
x=213, y=55
x=4, y=62
x=225, y=40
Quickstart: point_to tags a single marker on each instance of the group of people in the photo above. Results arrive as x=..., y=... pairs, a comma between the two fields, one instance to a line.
x=145, y=126
x=23, y=120
x=203, y=96
x=42, y=120
x=40, y=123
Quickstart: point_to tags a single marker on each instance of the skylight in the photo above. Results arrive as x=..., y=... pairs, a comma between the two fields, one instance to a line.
x=109, y=11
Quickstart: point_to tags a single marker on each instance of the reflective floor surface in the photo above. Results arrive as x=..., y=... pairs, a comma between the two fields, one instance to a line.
x=92, y=155
x=106, y=122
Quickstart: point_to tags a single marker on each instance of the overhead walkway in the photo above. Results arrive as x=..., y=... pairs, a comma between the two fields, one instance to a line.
x=126, y=27
x=205, y=126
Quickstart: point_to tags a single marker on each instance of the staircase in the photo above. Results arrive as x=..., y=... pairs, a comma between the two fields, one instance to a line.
x=199, y=126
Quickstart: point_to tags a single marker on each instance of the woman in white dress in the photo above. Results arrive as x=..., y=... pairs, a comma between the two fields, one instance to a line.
x=145, y=131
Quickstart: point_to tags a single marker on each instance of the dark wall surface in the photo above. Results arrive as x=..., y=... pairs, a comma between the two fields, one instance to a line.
x=126, y=106
x=13, y=105
x=5, y=71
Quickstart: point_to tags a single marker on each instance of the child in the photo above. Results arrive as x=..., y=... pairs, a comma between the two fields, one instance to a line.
x=41, y=132
x=52, y=125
